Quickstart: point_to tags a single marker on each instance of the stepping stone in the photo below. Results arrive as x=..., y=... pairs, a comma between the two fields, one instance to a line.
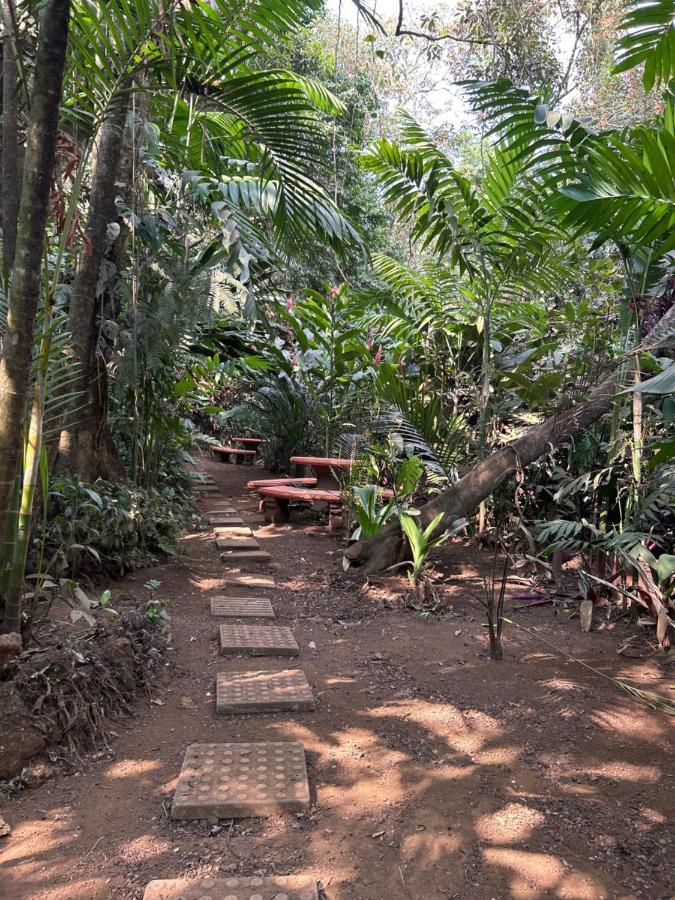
x=252, y=555
x=225, y=519
x=227, y=530
x=247, y=692
x=258, y=640
x=225, y=510
x=253, y=581
x=242, y=607
x=231, y=781
x=272, y=887
x=207, y=488
x=237, y=542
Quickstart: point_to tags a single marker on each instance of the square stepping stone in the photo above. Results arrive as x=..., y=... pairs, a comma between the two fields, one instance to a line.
x=225, y=510
x=246, y=692
x=272, y=887
x=223, y=519
x=232, y=781
x=237, y=542
x=242, y=607
x=250, y=555
x=207, y=488
x=258, y=640
x=252, y=581
x=227, y=530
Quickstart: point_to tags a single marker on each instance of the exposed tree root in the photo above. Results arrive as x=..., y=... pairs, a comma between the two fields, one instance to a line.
x=75, y=690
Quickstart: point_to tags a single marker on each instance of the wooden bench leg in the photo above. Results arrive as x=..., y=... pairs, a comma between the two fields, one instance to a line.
x=336, y=517
x=276, y=511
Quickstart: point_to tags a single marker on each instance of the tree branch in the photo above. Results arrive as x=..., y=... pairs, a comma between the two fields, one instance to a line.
x=401, y=31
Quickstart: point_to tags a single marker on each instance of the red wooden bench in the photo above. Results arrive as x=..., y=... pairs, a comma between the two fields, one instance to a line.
x=276, y=500
x=225, y=454
x=248, y=443
x=279, y=482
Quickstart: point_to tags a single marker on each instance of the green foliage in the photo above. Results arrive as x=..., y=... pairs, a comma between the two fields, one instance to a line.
x=420, y=541
x=371, y=514
x=284, y=412
x=107, y=528
x=647, y=36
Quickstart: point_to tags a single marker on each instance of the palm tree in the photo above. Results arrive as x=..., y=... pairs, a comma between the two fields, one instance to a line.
x=610, y=186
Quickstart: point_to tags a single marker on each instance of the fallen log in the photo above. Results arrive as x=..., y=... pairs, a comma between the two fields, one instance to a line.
x=465, y=495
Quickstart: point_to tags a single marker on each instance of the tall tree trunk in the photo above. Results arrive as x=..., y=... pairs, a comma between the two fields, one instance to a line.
x=17, y=350
x=462, y=498
x=11, y=186
x=86, y=444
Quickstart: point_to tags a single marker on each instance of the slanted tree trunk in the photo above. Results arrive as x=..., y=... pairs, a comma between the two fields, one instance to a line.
x=461, y=499
x=86, y=447
x=11, y=186
x=17, y=351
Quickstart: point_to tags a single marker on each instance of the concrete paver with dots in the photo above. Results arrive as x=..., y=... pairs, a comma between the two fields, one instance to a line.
x=245, y=692
x=258, y=640
x=227, y=530
x=222, y=781
x=226, y=519
x=236, y=542
x=252, y=555
x=275, y=887
x=242, y=607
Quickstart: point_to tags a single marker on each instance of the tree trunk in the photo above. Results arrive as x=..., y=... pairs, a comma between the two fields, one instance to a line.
x=85, y=431
x=17, y=350
x=462, y=498
x=11, y=187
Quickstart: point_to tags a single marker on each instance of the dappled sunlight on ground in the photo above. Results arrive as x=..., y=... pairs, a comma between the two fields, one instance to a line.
x=132, y=768
x=434, y=772
x=532, y=875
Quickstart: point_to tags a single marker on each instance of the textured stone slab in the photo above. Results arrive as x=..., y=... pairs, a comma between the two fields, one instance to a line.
x=237, y=542
x=242, y=607
x=250, y=555
x=223, y=781
x=227, y=530
x=250, y=581
x=245, y=692
x=207, y=488
x=258, y=640
x=224, y=510
x=275, y=887
x=223, y=519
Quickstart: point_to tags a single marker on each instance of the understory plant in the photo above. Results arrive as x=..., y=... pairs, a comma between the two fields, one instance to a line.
x=494, y=593
x=420, y=541
x=106, y=528
x=381, y=466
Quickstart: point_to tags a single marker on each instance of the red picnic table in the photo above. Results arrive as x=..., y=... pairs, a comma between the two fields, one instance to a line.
x=324, y=468
x=225, y=454
x=248, y=443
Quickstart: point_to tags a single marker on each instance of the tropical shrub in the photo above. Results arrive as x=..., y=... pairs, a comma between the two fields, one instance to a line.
x=106, y=529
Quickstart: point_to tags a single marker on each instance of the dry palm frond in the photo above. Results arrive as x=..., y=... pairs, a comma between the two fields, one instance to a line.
x=647, y=698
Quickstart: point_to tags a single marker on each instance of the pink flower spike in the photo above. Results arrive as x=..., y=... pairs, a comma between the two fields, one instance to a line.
x=334, y=290
x=295, y=361
x=369, y=343
x=290, y=303
x=378, y=356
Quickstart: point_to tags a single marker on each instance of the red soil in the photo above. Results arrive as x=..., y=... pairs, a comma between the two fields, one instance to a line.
x=435, y=772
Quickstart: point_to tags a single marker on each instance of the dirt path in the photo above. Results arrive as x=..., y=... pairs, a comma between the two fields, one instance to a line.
x=434, y=772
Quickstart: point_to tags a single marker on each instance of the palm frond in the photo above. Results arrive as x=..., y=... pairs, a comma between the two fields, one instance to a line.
x=647, y=37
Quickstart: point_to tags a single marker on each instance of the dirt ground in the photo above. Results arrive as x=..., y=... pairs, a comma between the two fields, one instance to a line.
x=435, y=772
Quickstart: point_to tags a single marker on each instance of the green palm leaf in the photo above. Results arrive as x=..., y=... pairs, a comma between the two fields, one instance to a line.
x=648, y=36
